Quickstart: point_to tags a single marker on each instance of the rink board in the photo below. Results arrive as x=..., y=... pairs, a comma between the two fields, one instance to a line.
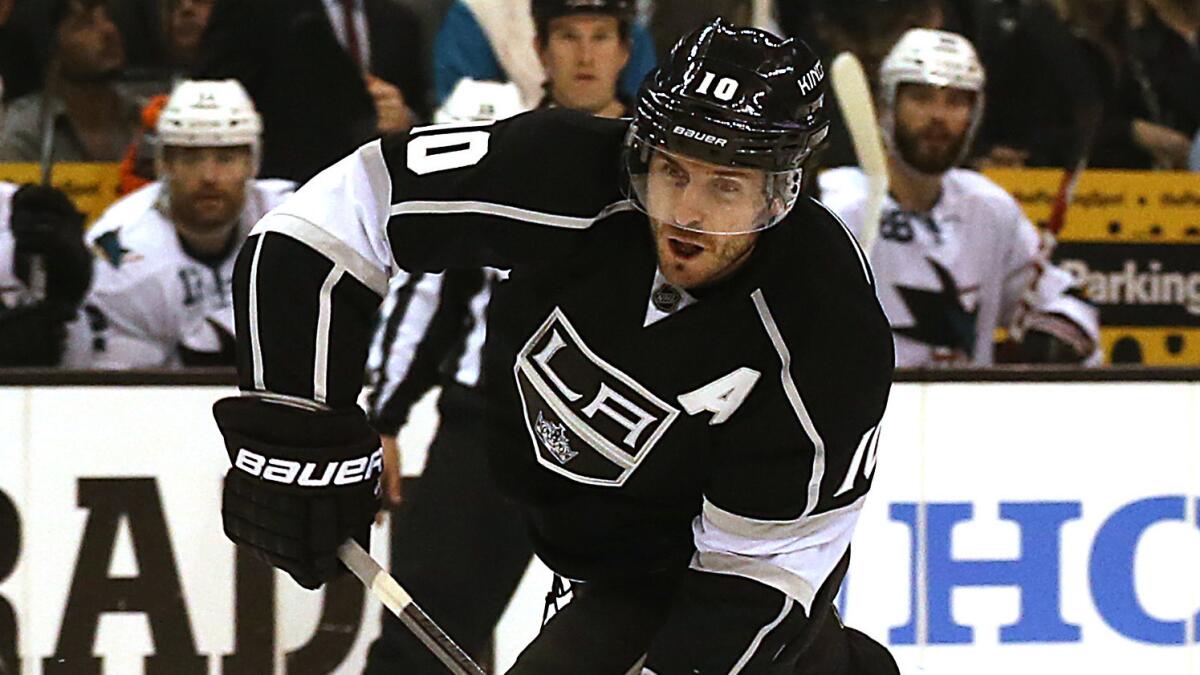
x=1011, y=528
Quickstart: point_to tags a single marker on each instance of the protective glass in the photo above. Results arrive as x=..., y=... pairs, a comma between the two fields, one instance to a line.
x=707, y=198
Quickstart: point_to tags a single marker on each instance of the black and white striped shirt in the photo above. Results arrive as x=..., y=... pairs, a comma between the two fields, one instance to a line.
x=432, y=329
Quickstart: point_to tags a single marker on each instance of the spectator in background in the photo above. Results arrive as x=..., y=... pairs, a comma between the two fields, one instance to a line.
x=1194, y=155
x=1145, y=73
x=87, y=117
x=867, y=29
x=6, y=7
x=20, y=60
x=163, y=35
x=384, y=39
x=1047, y=120
x=324, y=85
x=162, y=296
x=169, y=33
x=494, y=40
x=432, y=333
x=44, y=273
x=672, y=19
x=1163, y=94
x=954, y=257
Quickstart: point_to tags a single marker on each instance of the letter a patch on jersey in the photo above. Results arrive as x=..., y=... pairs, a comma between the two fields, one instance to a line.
x=721, y=397
x=588, y=420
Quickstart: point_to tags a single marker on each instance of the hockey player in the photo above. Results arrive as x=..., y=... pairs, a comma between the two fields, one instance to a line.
x=432, y=335
x=955, y=256
x=45, y=270
x=162, y=293
x=684, y=371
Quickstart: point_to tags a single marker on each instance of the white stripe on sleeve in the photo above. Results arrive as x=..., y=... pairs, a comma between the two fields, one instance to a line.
x=788, y=604
x=325, y=312
x=793, y=396
x=509, y=212
x=255, y=343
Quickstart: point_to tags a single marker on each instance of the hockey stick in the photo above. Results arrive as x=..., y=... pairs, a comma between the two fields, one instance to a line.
x=1048, y=236
x=396, y=599
x=854, y=96
x=37, y=264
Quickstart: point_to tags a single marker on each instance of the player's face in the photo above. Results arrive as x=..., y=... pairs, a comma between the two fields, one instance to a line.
x=931, y=125
x=89, y=45
x=207, y=185
x=695, y=208
x=583, y=55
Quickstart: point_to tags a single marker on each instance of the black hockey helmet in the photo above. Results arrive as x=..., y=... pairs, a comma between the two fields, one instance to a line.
x=732, y=96
x=545, y=10
x=736, y=96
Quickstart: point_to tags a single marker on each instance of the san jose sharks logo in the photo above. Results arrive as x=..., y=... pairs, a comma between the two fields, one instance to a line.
x=109, y=246
x=941, y=318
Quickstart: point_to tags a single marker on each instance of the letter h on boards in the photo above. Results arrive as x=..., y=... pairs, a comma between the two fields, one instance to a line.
x=1036, y=573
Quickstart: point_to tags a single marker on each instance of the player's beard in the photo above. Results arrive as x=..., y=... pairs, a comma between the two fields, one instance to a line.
x=214, y=222
x=722, y=255
x=914, y=149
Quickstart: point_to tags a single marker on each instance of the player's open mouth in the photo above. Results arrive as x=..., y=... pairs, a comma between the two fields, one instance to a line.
x=683, y=249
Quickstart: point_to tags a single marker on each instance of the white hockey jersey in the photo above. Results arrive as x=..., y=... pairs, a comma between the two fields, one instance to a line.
x=152, y=304
x=949, y=277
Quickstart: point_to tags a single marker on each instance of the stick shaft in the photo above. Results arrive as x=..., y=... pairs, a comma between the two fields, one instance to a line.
x=399, y=602
x=858, y=110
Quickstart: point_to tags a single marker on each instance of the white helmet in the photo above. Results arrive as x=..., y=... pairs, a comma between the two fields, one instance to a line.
x=480, y=100
x=933, y=57
x=209, y=113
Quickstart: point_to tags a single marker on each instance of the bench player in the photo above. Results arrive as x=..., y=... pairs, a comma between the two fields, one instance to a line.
x=955, y=256
x=162, y=293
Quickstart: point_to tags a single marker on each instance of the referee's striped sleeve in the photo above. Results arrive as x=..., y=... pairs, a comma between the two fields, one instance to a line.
x=404, y=327
x=429, y=338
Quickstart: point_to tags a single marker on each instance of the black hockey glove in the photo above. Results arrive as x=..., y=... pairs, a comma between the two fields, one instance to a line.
x=31, y=335
x=1053, y=338
x=46, y=225
x=302, y=482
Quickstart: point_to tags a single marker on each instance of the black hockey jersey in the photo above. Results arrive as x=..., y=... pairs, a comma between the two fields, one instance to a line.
x=729, y=429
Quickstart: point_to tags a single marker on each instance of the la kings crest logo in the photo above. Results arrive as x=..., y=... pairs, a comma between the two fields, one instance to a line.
x=588, y=421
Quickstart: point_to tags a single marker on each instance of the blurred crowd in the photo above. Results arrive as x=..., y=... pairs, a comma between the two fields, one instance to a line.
x=1109, y=83
x=1112, y=79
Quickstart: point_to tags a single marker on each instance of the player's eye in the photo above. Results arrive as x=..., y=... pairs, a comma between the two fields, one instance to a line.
x=677, y=173
x=727, y=187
